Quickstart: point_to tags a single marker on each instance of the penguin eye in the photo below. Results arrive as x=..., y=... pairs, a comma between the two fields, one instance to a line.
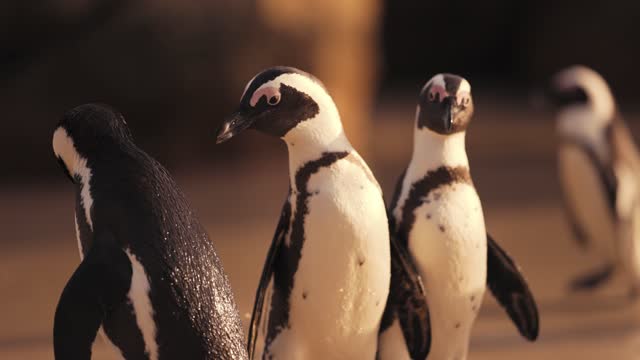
x=274, y=100
x=464, y=99
x=272, y=94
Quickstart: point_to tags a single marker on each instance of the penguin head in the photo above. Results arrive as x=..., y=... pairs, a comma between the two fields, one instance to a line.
x=278, y=100
x=581, y=88
x=445, y=105
x=84, y=132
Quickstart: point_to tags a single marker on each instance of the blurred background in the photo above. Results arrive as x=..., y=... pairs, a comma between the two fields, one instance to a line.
x=176, y=68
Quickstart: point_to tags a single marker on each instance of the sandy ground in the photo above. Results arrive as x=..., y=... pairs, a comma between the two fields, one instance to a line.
x=512, y=165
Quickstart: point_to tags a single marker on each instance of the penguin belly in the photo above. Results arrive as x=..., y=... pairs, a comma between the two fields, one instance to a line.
x=587, y=197
x=342, y=281
x=449, y=244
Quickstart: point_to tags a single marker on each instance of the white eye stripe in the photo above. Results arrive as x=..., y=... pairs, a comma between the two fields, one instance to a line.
x=464, y=87
x=437, y=80
x=438, y=90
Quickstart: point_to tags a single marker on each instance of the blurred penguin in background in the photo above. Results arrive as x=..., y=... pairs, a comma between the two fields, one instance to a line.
x=599, y=172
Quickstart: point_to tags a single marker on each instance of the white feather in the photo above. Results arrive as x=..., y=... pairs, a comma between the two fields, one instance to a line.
x=312, y=137
x=587, y=199
x=344, y=269
x=430, y=151
x=139, y=297
x=448, y=244
x=464, y=87
x=75, y=220
x=339, y=314
x=76, y=164
x=437, y=80
x=586, y=122
x=600, y=99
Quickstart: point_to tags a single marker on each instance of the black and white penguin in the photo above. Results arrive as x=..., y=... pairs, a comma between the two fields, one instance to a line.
x=436, y=215
x=328, y=266
x=149, y=277
x=599, y=170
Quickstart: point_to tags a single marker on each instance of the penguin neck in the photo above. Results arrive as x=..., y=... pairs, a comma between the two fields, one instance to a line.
x=312, y=138
x=432, y=151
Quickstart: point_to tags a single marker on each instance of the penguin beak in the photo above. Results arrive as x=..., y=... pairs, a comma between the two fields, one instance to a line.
x=233, y=125
x=447, y=115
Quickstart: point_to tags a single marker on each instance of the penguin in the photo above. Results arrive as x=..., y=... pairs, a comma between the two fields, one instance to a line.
x=326, y=278
x=436, y=216
x=599, y=170
x=150, y=278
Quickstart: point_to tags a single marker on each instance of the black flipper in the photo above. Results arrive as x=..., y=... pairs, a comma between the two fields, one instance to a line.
x=408, y=297
x=100, y=283
x=509, y=287
x=593, y=278
x=265, y=278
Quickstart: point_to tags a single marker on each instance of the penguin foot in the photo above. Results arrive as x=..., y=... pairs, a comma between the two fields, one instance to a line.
x=592, y=279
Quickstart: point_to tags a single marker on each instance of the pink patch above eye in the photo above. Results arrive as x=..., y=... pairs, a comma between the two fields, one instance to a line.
x=268, y=91
x=439, y=91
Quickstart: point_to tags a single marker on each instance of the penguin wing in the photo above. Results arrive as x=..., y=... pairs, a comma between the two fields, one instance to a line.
x=265, y=278
x=408, y=297
x=510, y=288
x=99, y=283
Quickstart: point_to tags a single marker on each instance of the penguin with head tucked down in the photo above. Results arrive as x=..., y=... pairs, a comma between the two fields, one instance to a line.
x=149, y=277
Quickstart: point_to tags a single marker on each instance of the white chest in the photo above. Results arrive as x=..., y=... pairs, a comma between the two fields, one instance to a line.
x=448, y=239
x=342, y=280
x=587, y=197
x=448, y=243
